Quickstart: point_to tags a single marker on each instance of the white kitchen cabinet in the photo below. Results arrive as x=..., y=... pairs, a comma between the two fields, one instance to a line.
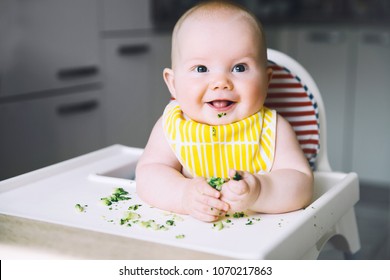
x=371, y=135
x=326, y=53
x=39, y=132
x=119, y=15
x=48, y=44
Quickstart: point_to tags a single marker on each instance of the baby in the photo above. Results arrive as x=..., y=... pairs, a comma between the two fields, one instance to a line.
x=217, y=125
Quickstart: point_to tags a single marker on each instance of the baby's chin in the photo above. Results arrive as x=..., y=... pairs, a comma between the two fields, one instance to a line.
x=218, y=119
x=214, y=118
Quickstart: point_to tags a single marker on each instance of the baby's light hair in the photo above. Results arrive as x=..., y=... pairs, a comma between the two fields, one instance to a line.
x=210, y=8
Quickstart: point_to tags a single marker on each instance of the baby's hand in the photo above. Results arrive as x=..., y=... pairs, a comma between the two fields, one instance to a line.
x=242, y=191
x=202, y=202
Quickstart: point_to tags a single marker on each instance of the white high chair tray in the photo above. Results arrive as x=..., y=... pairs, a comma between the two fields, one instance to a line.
x=50, y=194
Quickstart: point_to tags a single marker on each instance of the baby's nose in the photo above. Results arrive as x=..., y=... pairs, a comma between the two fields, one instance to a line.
x=221, y=82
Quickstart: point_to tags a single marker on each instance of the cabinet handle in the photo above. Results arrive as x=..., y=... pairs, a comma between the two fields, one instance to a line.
x=379, y=39
x=326, y=37
x=77, y=72
x=130, y=50
x=77, y=108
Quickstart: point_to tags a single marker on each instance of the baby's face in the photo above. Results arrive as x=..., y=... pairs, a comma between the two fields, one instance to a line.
x=219, y=76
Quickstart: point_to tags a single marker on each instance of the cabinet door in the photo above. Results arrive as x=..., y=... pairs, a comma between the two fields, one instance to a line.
x=39, y=132
x=49, y=44
x=125, y=15
x=325, y=53
x=161, y=58
x=128, y=87
x=371, y=137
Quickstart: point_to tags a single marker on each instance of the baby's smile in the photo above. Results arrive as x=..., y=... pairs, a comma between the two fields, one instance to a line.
x=221, y=104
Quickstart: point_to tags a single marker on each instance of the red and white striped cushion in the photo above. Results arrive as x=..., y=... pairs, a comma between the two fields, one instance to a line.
x=293, y=100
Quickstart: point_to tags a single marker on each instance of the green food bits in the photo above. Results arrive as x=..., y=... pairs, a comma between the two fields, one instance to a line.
x=118, y=194
x=216, y=182
x=218, y=225
x=238, y=215
x=237, y=177
x=80, y=208
x=134, y=207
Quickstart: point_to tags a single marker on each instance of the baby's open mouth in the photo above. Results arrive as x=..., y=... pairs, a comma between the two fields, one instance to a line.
x=221, y=105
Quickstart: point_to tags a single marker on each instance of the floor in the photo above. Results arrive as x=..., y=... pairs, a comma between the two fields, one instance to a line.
x=373, y=218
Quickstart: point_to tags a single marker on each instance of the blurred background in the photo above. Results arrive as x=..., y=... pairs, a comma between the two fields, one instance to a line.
x=79, y=75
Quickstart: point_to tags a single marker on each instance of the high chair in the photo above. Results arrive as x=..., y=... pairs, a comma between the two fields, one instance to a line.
x=295, y=96
x=56, y=212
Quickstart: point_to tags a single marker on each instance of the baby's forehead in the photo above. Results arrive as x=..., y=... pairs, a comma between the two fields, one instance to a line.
x=218, y=16
x=207, y=19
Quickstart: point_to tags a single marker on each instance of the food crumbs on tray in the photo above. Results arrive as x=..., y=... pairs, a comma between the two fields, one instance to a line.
x=131, y=217
x=134, y=207
x=80, y=208
x=218, y=225
x=119, y=194
x=239, y=215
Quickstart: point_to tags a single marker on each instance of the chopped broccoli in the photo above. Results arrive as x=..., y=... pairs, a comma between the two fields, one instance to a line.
x=238, y=215
x=120, y=192
x=170, y=222
x=134, y=207
x=80, y=208
x=132, y=216
x=153, y=225
x=216, y=182
x=106, y=201
x=180, y=236
x=237, y=177
x=117, y=195
x=220, y=115
x=129, y=216
x=218, y=225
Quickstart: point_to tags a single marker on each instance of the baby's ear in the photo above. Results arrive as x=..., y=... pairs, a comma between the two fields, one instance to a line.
x=169, y=78
x=269, y=74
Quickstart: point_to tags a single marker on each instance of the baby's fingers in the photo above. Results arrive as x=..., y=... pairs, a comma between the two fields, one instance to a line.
x=205, y=189
x=209, y=208
x=237, y=188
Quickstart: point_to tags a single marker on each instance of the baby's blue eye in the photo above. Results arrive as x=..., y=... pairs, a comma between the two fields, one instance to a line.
x=201, y=69
x=239, y=68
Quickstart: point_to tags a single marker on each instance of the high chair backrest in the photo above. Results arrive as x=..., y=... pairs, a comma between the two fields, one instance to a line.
x=293, y=93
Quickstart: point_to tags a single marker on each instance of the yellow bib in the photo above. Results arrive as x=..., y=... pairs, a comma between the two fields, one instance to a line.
x=206, y=151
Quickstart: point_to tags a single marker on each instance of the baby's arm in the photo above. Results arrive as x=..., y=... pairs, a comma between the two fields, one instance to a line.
x=288, y=187
x=160, y=182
